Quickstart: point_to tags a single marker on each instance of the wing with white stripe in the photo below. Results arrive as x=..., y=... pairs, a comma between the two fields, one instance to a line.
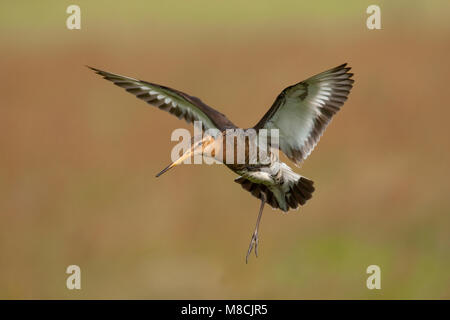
x=175, y=102
x=302, y=112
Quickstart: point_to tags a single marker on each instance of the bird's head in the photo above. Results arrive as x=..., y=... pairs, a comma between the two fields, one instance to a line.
x=203, y=147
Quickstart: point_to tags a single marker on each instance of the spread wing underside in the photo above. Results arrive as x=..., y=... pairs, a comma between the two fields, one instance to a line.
x=302, y=112
x=173, y=101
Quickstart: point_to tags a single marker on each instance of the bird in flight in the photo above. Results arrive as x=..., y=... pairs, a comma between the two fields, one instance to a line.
x=298, y=116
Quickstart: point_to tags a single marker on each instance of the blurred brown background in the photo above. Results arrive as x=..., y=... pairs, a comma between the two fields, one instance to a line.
x=79, y=155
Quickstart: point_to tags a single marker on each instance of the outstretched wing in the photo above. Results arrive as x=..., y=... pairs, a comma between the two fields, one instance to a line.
x=302, y=112
x=176, y=102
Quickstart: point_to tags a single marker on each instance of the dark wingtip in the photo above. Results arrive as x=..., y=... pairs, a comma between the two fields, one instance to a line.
x=98, y=71
x=343, y=66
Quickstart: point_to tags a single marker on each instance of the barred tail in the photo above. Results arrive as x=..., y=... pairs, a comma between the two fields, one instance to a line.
x=287, y=196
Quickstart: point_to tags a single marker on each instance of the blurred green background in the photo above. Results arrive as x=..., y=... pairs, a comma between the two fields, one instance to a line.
x=78, y=155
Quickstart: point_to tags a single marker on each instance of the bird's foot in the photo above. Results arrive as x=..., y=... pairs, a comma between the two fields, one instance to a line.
x=253, y=243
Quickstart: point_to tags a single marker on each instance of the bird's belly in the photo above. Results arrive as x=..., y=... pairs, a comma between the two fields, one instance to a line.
x=261, y=177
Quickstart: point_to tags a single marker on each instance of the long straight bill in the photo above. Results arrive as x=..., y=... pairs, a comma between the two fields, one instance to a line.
x=176, y=163
x=164, y=170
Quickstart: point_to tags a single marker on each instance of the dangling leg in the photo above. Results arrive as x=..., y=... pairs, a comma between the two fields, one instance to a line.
x=254, y=240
